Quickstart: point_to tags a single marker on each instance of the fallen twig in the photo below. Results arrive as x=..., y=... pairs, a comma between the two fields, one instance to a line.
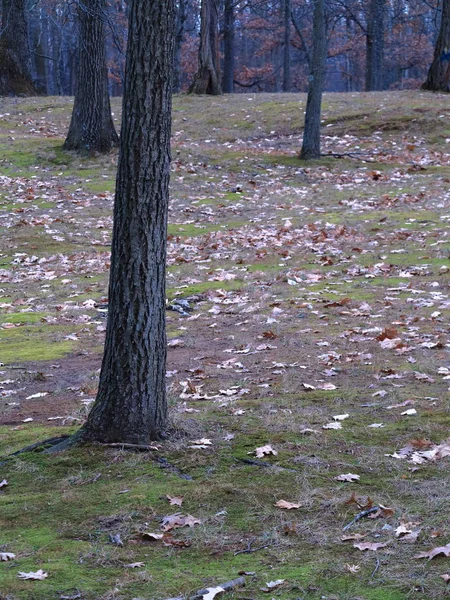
x=138, y=447
x=361, y=515
x=377, y=566
x=249, y=548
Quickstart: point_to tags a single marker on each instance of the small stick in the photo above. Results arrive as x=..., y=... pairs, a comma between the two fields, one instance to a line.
x=361, y=515
x=249, y=548
x=139, y=447
x=228, y=586
x=377, y=566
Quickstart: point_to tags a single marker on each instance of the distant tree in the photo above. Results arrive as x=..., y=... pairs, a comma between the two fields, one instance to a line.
x=131, y=406
x=15, y=57
x=438, y=79
x=311, y=135
x=287, y=45
x=228, y=46
x=179, y=35
x=91, y=127
x=375, y=45
x=207, y=78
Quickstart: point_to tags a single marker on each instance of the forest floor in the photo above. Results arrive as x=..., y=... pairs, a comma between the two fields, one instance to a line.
x=313, y=367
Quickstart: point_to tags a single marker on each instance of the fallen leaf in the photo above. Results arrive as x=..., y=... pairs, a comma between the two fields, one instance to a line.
x=341, y=417
x=152, y=536
x=175, y=500
x=348, y=477
x=445, y=550
x=332, y=426
x=446, y=577
x=287, y=505
x=135, y=565
x=370, y=545
x=352, y=568
x=202, y=442
x=212, y=593
x=272, y=585
x=3, y=483
x=353, y=537
x=178, y=520
x=33, y=575
x=7, y=556
x=264, y=450
x=409, y=413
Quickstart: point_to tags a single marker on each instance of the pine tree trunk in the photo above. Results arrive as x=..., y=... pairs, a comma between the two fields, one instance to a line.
x=228, y=47
x=15, y=57
x=311, y=135
x=287, y=46
x=131, y=402
x=375, y=45
x=207, y=78
x=438, y=79
x=91, y=128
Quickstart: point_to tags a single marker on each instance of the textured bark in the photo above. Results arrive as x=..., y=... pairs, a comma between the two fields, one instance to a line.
x=207, y=78
x=287, y=46
x=179, y=34
x=375, y=45
x=438, y=79
x=131, y=402
x=91, y=127
x=228, y=47
x=15, y=57
x=311, y=134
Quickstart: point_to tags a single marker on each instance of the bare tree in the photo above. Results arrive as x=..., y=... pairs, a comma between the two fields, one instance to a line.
x=207, y=78
x=228, y=46
x=311, y=134
x=287, y=46
x=15, y=58
x=375, y=45
x=438, y=79
x=91, y=127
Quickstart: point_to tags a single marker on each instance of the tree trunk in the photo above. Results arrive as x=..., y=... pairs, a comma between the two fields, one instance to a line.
x=91, y=128
x=228, y=47
x=311, y=134
x=131, y=402
x=207, y=78
x=179, y=34
x=15, y=58
x=375, y=45
x=287, y=46
x=438, y=79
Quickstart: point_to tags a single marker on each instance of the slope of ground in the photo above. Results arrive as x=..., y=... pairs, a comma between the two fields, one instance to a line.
x=317, y=333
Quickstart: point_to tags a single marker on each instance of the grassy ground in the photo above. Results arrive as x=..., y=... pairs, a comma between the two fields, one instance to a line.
x=317, y=289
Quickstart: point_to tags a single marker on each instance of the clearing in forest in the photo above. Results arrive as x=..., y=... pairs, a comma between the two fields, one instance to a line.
x=309, y=369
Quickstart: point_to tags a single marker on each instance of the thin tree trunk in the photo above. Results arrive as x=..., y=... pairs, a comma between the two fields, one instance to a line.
x=131, y=402
x=91, y=128
x=438, y=79
x=179, y=34
x=311, y=134
x=228, y=47
x=375, y=45
x=15, y=57
x=287, y=46
x=207, y=78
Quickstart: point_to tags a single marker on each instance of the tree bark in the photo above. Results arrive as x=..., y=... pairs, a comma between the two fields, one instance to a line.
x=207, y=78
x=438, y=79
x=375, y=45
x=131, y=402
x=228, y=47
x=15, y=57
x=311, y=134
x=91, y=127
x=287, y=46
